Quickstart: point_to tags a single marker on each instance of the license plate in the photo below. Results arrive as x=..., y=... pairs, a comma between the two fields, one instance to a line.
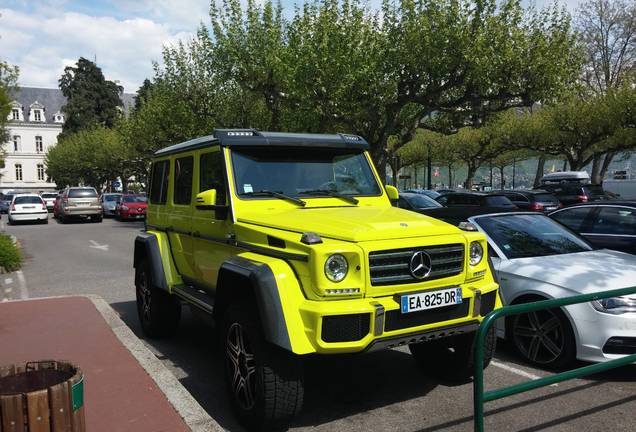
x=28, y=207
x=430, y=300
x=551, y=208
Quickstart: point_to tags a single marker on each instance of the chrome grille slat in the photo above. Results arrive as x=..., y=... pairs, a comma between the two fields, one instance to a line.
x=393, y=266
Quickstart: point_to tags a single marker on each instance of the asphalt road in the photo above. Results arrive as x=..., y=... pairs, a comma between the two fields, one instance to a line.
x=376, y=392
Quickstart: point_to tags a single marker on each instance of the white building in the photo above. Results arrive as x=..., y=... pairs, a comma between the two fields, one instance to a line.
x=35, y=121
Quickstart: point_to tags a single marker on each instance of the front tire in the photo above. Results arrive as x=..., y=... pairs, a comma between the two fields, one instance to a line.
x=265, y=383
x=159, y=312
x=451, y=358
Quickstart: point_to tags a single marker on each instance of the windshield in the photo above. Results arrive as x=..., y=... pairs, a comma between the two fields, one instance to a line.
x=111, y=197
x=8, y=198
x=31, y=199
x=421, y=201
x=522, y=236
x=82, y=193
x=49, y=195
x=303, y=172
x=134, y=199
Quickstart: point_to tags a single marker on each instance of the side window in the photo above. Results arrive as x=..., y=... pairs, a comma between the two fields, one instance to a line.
x=573, y=218
x=159, y=182
x=615, y=220
x=402, y=203
x=183, y=169
x=443, y=200
x=211, y=175
x=518, y=198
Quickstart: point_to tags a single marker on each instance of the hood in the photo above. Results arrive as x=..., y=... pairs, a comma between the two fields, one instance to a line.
x=352, y=223
x=582, y=272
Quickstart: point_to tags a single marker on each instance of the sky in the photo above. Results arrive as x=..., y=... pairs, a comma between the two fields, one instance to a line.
x=123, y=36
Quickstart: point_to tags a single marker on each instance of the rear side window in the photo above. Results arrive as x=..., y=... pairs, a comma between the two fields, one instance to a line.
x=27, y=200
x=82, y=193
x=573, y=218
x=211, y=175
x=498, y=201
x=183, y=168
x=615, y=220
x=159, y=182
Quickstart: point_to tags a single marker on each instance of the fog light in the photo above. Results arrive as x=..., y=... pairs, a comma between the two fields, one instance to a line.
x=343, y=291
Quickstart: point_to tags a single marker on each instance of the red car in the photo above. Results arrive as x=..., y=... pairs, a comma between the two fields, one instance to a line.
x=131, y=207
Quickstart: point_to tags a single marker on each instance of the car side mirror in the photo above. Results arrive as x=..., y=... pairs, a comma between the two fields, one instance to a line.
x=392, y=193
x=206, y=200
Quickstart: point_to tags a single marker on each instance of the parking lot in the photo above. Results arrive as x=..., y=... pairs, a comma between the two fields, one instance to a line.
x=375, y=392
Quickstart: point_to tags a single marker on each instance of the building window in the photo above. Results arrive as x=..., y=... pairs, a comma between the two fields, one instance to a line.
x=37, y=115
x=40, y=172
x=16, y=143
x=18, y=172
x=15, y=114
x=38, y=144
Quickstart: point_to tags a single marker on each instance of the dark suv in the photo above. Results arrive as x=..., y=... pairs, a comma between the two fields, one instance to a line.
x=533, y=200
x=575, y=193
x=462, y=199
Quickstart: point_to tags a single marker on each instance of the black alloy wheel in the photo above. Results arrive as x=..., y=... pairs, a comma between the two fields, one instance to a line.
x=241, y=366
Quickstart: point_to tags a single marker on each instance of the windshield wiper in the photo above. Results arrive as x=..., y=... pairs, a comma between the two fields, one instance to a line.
x=347, y=198
x=275, y=195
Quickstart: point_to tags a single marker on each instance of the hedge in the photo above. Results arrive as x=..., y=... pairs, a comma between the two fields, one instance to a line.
x=10, y=257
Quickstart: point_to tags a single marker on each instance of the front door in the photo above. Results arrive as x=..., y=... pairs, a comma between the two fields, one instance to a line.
x=180, y=216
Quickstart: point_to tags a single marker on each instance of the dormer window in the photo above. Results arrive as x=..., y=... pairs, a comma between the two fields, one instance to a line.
x=15, y=114
x=36, y=112
x=37, y=115
x=58, y=117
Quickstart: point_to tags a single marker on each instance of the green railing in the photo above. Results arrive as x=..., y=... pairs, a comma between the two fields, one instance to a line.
x=480, y=397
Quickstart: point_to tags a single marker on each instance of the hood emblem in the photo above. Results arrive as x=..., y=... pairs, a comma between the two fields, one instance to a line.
x=420, y=265
x=403, y=224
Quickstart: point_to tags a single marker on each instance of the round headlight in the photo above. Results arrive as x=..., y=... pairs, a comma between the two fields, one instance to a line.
x=476, y=253
x=336, y=268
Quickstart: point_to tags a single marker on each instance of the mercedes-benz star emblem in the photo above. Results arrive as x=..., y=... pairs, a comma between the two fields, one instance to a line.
x=420, y=265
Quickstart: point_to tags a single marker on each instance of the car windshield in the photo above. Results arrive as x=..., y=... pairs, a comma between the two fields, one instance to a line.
x=111, y=197
x=522, y=235
x=8, y=198
x=297, y=172
x=49, y=195
x=421, y=201
x=31, y=199
x=82, y=193
x=134, y=199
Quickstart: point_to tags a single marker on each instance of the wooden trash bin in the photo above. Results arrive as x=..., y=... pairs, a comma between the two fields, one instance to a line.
x=42, y=396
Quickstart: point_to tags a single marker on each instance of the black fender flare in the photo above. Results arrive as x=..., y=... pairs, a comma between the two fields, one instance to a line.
x=147, y=248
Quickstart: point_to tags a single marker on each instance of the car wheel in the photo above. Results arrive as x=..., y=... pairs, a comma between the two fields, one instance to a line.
x=45, y=221
x=544, y=338
x=451, y=358
x=97, y=219
x=265, y=383
x=159, y=312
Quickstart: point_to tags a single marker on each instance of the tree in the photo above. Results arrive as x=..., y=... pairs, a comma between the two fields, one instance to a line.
x=8, y=82
x=91, y=100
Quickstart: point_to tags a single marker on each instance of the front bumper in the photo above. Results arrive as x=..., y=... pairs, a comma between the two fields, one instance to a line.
x=369, y=324
x=132, y=215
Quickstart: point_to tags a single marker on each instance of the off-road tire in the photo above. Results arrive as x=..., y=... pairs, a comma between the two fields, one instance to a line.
x=159, y=312
x=273, y=377
x=451, y=358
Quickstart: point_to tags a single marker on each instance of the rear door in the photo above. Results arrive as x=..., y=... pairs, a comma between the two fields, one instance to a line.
x=575, y=218
x=28, y=204
x=613, y=228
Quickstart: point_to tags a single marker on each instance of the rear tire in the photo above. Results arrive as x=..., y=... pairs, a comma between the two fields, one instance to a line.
x=265, y=383
x=159, y=312
x=452, y=358
x=97, y=219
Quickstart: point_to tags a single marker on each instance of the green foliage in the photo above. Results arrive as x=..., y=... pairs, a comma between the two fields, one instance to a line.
x=91, y=100
x=8, y=81
x=10, y=256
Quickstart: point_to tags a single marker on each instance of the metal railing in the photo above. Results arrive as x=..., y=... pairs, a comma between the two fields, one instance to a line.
x=480, y=397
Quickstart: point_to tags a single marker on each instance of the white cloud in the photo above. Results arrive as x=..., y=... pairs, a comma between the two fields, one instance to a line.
x=43, y=44
x=176, y=14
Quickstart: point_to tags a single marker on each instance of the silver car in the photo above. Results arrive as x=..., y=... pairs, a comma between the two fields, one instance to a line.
x=49, y=199
x=536, y=258
x=109, y=203
x=80, y=202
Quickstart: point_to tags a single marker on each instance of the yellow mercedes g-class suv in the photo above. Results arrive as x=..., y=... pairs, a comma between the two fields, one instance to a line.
x=291, y=244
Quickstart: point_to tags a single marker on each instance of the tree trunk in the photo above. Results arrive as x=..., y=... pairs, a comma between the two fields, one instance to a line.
x=472, y=170
x=596, y=169
x=539, y=173
x=607, y=161
x=502, y=183
x=565, y=165
x=450, y=176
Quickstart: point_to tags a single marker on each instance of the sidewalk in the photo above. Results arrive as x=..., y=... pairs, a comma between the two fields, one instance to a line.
x=121, y=394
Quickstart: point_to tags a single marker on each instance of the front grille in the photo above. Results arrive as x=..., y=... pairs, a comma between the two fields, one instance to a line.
x=391, y=267
x=345, y=328
x=487, y=303
x=396, y=320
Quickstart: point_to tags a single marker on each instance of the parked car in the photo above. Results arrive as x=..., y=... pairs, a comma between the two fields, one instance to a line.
x=131, y=207
x=605, y=224
x=56, y=204
x=79, y=202
x=49, y=199
x=536, y=258
x=5, y=203
x=569, y=193
x=415, y=201
x=428, y=192
x=462, y=199
x=109, y=202
x=28, y=208
x=534, y=200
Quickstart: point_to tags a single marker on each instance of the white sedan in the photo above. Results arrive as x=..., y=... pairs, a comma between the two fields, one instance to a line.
x=536, y=258
x=28, y=207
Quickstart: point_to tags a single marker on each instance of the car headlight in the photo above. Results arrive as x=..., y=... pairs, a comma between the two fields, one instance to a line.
x=615, y=305
x=476, y=253
x=336, y=268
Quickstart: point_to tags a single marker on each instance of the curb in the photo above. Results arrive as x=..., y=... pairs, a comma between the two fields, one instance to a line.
x=188, y=408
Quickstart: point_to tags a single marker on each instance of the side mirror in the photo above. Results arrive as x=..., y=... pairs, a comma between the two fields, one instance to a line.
x=392, y=192
x=206, y=200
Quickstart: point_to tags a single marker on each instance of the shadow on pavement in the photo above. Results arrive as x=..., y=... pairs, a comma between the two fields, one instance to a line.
x=335, y=387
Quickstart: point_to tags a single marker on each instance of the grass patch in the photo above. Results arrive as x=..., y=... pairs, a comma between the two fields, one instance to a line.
x=10, y=256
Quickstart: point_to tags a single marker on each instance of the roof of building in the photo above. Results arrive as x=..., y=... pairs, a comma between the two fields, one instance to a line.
x=53, y=100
